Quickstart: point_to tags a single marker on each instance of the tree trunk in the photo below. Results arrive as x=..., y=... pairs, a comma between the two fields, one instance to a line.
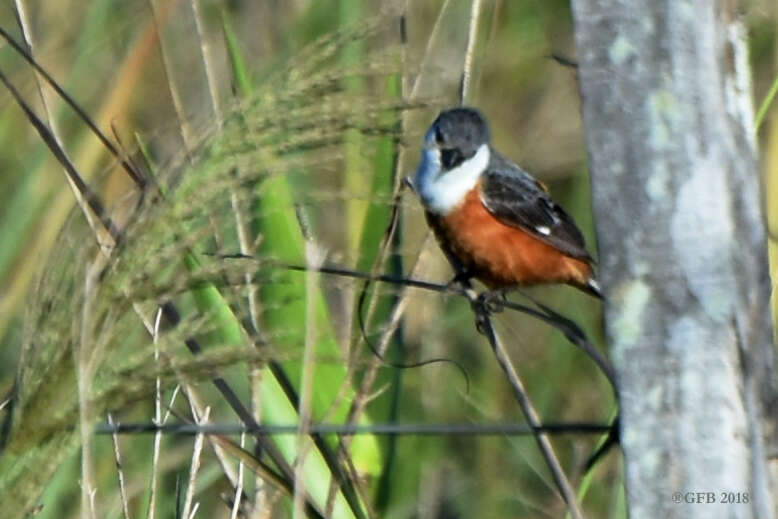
x=670, y=132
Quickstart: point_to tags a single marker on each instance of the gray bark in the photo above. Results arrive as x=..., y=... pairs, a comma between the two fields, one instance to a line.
x=669, y=124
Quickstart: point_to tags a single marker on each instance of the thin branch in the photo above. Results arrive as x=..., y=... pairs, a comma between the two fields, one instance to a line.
x=472, y=36
x=199, y=409
x=569, y=328
x=765, y=106
x=187, y=137
x=195, y=466
x=208, y=65
x=268, y=447
x=50, y=119
x=388, y=239
x=428, y=49
x=82, y=357
x=195, y=401
x=128, y=167
x=252, y=326
x=277, y=371
x=314, y=256
x=572, y=331
x=120, y=470
x=389, y=234
x=194, y=510
x=92, y=200
x=183, y=125
x=239, y=486
x=544, y=444
x=493, y=27
x=399, y=181
x=158, y=421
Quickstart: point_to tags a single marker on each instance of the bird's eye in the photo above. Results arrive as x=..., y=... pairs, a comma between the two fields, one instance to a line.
x=451, y=158
x=438, y=135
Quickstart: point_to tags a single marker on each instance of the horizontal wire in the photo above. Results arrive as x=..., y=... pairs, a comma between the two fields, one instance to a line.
x=410, y=429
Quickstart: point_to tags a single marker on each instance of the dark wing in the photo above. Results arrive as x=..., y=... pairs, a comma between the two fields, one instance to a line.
x=517, y=199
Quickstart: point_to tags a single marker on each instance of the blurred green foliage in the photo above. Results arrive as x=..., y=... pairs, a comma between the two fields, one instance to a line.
x=272, y=70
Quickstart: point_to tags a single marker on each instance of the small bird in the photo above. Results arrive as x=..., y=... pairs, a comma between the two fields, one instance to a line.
x=493, y=220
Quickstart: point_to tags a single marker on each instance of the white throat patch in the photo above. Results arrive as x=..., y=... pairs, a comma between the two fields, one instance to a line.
x=442, y=191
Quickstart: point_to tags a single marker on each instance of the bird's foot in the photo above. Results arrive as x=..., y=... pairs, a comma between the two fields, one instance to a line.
x=482, y=323
x=486, y=304
x=492, y=300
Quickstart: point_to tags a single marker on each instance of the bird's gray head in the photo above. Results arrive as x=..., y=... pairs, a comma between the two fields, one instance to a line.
x=455, y=153
x=457, y=133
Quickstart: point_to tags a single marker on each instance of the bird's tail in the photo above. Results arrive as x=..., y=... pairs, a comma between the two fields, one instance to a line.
x=594, y=287
x=591, y=286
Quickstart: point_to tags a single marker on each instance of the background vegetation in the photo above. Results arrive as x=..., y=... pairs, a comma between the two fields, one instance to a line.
x=281, y=112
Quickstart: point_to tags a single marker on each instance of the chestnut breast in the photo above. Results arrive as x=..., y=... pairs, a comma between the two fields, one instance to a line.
x=501, y=255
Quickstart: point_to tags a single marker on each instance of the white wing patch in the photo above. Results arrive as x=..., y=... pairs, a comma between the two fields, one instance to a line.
x=543, y=229
x=442, y=191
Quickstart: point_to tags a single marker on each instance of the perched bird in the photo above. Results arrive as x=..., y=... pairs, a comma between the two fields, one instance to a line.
x=493, y=220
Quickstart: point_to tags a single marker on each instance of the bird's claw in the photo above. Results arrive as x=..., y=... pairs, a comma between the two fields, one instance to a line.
x=481, y=322
x=485, y=304
x=493, y=301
